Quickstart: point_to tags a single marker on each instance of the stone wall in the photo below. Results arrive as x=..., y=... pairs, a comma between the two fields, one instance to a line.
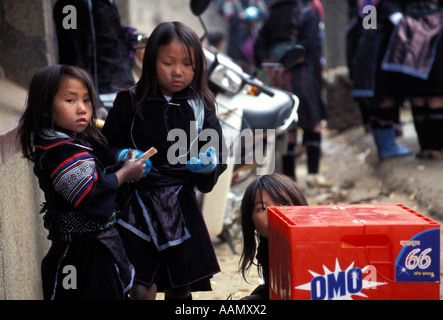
x=26, y=38
x=23, y=242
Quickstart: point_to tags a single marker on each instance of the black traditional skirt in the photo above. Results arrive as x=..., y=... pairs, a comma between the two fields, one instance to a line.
x=415, y=52
x=86, y=268
x=190, y=260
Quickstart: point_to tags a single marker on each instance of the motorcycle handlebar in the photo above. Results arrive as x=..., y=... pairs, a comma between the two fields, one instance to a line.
x=262, y=88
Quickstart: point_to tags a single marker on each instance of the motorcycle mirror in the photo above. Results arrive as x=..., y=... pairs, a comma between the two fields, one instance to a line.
x=293, y=56
x=199, y=6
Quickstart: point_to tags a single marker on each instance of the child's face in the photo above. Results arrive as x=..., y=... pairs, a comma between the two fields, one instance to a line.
x=260, y=214
x=72, y=107
x=174, y=68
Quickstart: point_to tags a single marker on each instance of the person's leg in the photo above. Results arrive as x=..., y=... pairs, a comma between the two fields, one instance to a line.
x=435, y=124
x=289, y=158
x=420, y=111
x=312, y=141
x=141, y=291
x=365, y=111
x=383, y=130
x=181, y=293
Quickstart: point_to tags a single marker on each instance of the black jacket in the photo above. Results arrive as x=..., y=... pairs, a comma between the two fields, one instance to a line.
x=164, y=210
x=289, y=21
x=124, y=129
x=103, y=47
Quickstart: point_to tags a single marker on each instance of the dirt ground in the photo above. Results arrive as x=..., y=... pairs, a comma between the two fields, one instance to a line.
x=350, y=167
x=228, y=284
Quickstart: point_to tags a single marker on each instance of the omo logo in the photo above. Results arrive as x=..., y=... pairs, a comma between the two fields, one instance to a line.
x=341, y=284
x=337, y=284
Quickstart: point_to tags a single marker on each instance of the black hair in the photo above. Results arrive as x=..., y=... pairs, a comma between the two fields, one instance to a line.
x=283, y=190
x=215, y=37
x=38, y=113
x=162, y=35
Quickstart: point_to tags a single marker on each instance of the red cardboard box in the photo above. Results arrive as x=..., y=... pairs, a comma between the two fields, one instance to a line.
x=374, y=251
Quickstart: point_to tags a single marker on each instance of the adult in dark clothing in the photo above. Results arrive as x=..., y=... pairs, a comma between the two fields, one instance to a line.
x=243, y=18
x=415, y=56
x=377, y=85
x=294, y=22
x=97, y=43
x=353, y=32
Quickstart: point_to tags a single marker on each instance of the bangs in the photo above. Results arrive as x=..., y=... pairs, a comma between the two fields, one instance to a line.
x=188, y=50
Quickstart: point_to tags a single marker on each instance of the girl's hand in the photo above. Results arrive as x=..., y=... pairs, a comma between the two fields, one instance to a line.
x=132, y=170
x=206, y=162
x=123, y=156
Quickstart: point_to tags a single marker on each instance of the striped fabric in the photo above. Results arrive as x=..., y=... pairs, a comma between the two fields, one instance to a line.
x=75, y=177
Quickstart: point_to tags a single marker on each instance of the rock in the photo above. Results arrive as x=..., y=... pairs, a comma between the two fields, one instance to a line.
x=343, y=111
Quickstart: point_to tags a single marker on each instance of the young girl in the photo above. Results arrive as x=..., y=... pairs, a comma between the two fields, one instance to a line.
x=163, y=230
x=87, y=258
x=265, y=191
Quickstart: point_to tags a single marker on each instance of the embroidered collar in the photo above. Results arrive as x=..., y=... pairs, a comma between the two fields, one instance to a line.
x=49, y=139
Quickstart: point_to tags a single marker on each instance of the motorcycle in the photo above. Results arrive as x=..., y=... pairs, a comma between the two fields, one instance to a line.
x=248, y=111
